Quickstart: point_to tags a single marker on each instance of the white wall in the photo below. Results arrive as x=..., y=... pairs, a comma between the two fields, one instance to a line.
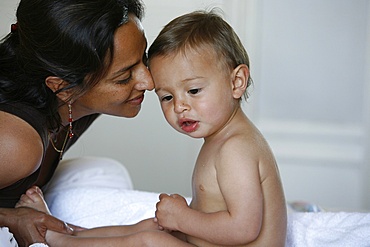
x=312, y=95
x=310, y=63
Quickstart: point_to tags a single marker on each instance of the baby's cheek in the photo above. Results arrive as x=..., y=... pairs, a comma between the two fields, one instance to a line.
x=171, y=118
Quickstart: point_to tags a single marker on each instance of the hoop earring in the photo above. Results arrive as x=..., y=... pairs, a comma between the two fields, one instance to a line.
x=70, y=120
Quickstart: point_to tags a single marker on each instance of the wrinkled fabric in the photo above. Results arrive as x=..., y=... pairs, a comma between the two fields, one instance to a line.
x=6, y=238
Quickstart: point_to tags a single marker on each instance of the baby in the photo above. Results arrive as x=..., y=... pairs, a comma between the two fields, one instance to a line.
x=201, y=72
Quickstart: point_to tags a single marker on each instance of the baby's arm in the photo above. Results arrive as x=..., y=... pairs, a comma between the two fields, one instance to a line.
x=240, y=185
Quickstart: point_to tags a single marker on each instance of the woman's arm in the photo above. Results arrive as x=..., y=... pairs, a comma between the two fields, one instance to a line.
x=21, y=152
x=21, y=149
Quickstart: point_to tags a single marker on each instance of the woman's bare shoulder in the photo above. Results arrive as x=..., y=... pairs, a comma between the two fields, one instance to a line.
x=21, y=149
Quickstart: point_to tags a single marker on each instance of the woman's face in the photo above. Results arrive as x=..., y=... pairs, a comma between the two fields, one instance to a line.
x=121, y=91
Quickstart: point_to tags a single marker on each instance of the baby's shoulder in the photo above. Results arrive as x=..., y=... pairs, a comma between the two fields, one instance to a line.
x=245, y=136
x=247, y=143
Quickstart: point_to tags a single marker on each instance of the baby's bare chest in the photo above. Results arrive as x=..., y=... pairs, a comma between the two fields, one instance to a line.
x=207, y=194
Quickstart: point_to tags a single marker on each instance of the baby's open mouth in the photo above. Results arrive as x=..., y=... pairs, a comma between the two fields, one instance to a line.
x=189, y=125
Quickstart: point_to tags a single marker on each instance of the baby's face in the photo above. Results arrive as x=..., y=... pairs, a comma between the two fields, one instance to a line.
x=194, y=92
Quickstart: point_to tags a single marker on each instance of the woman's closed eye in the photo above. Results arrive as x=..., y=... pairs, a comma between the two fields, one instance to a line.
x=125, y=80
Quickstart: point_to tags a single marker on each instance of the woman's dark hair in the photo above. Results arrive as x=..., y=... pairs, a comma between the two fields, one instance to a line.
x=69, y=39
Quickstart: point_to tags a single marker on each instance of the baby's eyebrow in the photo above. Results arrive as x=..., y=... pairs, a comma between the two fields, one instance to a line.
x=192, y=78
x=156, y=90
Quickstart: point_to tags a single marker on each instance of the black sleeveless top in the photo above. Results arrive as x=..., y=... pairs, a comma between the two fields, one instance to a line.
x=10, y=195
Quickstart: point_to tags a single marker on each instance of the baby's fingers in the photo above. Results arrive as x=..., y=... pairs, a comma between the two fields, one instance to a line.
x=156, y=221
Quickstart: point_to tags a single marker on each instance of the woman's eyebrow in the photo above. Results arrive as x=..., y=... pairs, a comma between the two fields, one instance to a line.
x=123, y=70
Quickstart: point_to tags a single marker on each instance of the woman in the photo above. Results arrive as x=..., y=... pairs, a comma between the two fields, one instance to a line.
x=64, y=63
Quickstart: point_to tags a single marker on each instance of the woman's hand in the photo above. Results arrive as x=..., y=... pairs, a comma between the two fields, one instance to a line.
x=29, y=226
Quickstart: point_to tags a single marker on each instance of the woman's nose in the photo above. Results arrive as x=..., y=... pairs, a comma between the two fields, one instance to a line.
x=145, y=81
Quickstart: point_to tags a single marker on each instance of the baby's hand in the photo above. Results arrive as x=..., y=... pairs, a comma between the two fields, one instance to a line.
x=169, y=209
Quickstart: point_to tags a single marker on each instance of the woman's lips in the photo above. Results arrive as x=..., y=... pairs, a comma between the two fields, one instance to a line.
x=137, y=100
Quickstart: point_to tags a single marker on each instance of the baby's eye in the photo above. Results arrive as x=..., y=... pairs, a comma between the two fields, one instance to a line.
x=166, y=98
x=194, y=91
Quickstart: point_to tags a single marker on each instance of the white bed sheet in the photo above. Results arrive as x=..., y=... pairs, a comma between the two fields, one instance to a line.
x=96, y=206
x=92, y=192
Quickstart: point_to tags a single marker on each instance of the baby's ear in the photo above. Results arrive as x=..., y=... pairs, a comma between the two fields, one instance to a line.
x=240, y=77
x=55, y=84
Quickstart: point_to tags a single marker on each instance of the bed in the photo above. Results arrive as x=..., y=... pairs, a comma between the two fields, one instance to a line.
x=113, y=201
